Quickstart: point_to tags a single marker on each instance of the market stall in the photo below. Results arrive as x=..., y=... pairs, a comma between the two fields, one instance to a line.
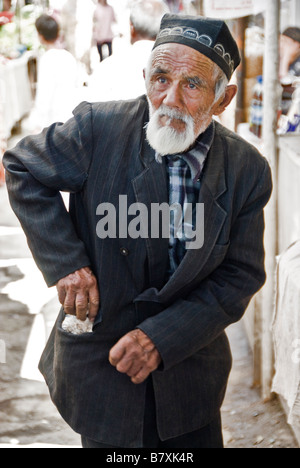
x=286, y=332
x=286, y=324
x=2, y=140
x=288, y=191
x=16, y=89
x=18, y=63
x=18, y=50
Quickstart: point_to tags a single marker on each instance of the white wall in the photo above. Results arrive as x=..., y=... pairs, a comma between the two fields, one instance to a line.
x=290, y=13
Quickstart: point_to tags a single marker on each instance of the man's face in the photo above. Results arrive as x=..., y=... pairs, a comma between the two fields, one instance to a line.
x=181, y=92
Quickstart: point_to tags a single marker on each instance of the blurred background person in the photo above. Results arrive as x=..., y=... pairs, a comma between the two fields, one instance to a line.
x=121, y=75
x=290, y=52
x=174, y=5
x=2, y=138
x=181, y=6
x=104, y=18
x=56, y=83
x=76, y=25
x=6, y=5
x=5, y=14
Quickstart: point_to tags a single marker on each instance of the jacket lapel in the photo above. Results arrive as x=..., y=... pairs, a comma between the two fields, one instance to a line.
x=213, y=185
x=151, y=186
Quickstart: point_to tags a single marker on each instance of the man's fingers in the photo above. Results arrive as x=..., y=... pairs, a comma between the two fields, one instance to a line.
x=131, y=358
x=151, y=364
x=141, y=376
x=79, y=294
x=128, y=365
x=69, y=303
x=134, y=369
x=81, y=307
x=61, y=295
x=94, y=303
x=116, y=353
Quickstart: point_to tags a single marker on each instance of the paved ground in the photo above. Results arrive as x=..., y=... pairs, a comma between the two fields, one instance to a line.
x=248, y=422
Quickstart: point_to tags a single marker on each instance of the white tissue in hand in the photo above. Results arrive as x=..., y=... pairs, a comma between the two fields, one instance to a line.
x=72, y=324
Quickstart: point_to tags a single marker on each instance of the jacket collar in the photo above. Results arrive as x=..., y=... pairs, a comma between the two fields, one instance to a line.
x=213, y=176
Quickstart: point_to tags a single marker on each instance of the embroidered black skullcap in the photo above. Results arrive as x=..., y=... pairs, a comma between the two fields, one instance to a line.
x=211, y=37
x=292, y=33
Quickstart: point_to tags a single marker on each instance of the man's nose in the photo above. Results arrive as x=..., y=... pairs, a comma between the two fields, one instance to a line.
x=173, y=97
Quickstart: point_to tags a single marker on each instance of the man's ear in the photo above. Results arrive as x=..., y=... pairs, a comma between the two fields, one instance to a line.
x=224, y=102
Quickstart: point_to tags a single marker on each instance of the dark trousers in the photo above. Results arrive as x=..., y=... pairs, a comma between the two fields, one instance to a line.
x=209, y=436
x=99, y=47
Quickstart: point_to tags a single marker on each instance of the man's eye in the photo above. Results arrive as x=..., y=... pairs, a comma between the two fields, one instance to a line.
x=161, y=80
x=192, y=85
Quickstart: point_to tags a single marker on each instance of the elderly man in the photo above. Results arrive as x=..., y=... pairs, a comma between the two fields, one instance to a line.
x=154, y=369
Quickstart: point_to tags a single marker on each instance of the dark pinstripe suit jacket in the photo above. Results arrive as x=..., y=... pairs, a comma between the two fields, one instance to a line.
x=96, y=156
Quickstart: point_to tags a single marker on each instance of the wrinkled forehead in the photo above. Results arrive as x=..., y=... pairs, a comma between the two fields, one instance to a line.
x=181, y=59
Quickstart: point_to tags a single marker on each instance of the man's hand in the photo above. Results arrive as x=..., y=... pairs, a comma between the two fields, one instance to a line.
x=79, y=295
x=135, y=355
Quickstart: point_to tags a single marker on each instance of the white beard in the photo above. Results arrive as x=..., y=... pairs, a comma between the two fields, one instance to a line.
x=165, y=139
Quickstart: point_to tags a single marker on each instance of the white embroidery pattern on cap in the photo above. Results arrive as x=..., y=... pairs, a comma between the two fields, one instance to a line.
x=191, y=33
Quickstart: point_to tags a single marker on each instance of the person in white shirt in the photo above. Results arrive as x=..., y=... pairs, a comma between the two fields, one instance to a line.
x=181, y=7
x=2, y=139
x=57, y=79
x=120, y=76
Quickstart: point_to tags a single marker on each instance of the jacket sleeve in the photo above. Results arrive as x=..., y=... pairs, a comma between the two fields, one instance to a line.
x=190, y=324
x=37, y=170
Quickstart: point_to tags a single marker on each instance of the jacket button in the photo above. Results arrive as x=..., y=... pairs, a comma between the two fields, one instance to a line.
x=124, y=251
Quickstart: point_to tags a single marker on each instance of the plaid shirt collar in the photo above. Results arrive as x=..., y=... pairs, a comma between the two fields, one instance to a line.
x=195, y=158
x=184, y=171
